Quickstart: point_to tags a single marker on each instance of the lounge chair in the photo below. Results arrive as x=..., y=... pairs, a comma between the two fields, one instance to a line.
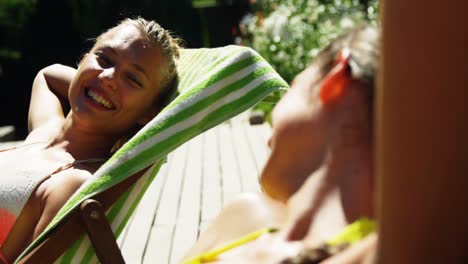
x=214, y=85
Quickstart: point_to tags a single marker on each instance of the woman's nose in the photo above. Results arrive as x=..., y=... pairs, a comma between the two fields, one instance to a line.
x=108, y=77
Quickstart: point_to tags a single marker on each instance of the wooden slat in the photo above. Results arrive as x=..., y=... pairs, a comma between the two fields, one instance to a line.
x=159, y=246
x=246, y=160
x=188, y=218
x=211, y=184
x=134, y=245
x=160, y=239
x=231, y=185
x=256, y=136
x=167, y=211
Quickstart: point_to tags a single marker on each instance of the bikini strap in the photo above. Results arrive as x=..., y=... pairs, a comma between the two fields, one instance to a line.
x=22, y=146
x=71, y=164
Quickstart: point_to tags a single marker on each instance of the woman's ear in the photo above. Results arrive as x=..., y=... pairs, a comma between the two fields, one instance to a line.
x=143, y=120
x=335, y=82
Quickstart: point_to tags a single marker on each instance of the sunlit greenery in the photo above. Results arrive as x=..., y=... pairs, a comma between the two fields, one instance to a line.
x=290, y=33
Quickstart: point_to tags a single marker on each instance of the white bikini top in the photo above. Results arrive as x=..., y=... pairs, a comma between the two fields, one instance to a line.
x=17, y=185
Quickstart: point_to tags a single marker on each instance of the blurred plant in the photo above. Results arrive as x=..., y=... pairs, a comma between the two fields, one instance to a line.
x=290, y=33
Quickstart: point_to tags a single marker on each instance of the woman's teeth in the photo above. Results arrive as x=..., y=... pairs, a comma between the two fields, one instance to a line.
x=99, y=99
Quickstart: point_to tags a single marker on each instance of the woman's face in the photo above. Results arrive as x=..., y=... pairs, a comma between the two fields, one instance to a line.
x=299, y=132
x=117, y=82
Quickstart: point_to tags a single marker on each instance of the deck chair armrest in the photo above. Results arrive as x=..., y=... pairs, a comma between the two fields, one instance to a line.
x=100, y=232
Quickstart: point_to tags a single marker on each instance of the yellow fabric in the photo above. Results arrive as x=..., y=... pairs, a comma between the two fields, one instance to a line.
x=354, y=232
x=213, y=254
x=350, y=235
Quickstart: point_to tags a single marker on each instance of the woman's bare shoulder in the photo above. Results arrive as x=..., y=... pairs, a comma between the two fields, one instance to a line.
x=57, y=189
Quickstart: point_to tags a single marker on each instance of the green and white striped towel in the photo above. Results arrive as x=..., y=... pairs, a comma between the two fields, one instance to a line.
x=214, y=85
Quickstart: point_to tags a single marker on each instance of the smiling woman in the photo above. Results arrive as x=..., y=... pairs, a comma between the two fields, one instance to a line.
x=120, y=85
x=118, y=80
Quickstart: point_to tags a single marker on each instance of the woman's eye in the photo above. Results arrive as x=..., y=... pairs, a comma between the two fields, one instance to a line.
x=134, y=80
x=103, y=60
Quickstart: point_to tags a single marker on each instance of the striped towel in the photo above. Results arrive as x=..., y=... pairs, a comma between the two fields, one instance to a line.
x=214, y=85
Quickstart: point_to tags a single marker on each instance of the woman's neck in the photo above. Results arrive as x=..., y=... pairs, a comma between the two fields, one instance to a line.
x=80, y=142
x=350, y=167
x=338, y=192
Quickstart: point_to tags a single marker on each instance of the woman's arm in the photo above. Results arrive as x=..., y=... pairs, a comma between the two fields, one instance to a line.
x=49, y=97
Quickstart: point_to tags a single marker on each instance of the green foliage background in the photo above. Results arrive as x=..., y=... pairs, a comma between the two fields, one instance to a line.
x=290, y=33
x=14, y=15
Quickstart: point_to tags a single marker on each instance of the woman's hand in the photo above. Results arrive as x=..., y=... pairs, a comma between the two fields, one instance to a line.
x=49, y=97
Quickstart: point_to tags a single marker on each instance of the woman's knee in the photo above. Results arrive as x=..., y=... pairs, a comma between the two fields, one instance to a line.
x=259, y=209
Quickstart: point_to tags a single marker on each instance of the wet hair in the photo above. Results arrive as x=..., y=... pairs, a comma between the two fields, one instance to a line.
x=364, y=45
x=169, y=45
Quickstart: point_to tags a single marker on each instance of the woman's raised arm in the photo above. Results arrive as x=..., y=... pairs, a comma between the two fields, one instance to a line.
x=49, y=97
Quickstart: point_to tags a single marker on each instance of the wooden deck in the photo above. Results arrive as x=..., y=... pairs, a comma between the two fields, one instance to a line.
x=198, y=179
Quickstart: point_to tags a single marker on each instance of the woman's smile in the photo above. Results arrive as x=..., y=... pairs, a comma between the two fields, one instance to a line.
x=98, y=98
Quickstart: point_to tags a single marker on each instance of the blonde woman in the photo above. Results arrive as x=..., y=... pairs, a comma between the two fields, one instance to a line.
x=119, y=85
